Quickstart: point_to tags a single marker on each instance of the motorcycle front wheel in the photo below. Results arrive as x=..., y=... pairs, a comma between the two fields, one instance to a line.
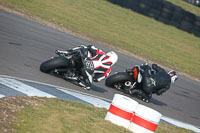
x=52, y=64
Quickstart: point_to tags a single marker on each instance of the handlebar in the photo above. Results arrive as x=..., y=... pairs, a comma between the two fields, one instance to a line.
x=65, y=53
x=71, y=52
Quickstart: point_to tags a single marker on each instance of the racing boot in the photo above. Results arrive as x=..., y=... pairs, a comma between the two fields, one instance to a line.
x=140, y=94
x=84, y=86
x=146, y=98
x=84, y=83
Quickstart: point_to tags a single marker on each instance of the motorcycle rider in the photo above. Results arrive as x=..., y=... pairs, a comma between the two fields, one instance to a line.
x=102, y=64
x=152, y=81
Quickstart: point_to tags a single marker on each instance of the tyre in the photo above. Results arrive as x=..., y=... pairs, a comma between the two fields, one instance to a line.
x=164, y=20
x=189, y=17
x=134, y=4
x=166, y=15
x=177, y=16
x=197, y=21
x=124, y=3
x=153, y=13
x=130, y=3
x=196, y=33
x=118, y=2
x=158, y=5
x=145, y=4
x=112, y=1
x=57, y=62
x=143, y=8
x=196, y=30
x=186, y=26
x=175, y=24
x=143, y=12
x=167, y=10
x=169, y=7
x=120, y=77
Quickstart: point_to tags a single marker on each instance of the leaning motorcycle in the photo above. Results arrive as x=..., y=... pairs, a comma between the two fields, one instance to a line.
x=123, y=81
x=127, y=82
x=68, y=65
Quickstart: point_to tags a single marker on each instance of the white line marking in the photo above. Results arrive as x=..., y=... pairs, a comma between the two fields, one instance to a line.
x=181, y=124
x=1, y=96
x=5, y=76
x=92, y=100
x=21, y=87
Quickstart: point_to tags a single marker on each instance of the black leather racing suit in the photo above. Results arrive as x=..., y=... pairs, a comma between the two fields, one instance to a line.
x=157, y=81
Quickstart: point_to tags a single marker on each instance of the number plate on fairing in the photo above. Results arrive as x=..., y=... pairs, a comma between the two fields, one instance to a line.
x=89, y=65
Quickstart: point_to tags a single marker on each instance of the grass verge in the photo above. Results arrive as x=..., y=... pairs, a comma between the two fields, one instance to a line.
x=42, y=115
x=59, y=116
x=121, y=28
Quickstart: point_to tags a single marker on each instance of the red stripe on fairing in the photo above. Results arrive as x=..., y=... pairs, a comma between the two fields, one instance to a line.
x=119, y=112
x=99, y=52
x=90, y=55
x=96, y=57
x=106, y=73
x=101, y=67
x=107, y=62
x=106, y=58
x=144, y=123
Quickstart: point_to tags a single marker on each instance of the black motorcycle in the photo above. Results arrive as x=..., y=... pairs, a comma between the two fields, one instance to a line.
x=69, y=64
x=123, y=81
x=126, y=82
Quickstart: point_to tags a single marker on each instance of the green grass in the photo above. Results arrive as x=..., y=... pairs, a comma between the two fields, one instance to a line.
x=121, y=28
x=61, y=116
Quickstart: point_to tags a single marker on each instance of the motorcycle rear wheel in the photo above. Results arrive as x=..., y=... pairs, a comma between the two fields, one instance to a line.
x=118, y=80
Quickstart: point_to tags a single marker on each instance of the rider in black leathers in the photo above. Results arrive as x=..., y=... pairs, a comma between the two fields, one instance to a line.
x=154, y=81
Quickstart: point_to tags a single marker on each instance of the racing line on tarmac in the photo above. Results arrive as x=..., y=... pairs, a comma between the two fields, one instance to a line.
x=12, y=86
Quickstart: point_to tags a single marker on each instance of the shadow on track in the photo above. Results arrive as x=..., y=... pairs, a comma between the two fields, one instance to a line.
x=156, y=102
x=98, y=89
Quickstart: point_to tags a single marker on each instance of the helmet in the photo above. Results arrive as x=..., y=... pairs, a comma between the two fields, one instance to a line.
x=174, y=75
x=113, y=57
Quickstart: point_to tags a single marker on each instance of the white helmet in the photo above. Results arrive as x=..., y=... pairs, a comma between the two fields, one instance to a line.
x=113, y=57
x=174, y=75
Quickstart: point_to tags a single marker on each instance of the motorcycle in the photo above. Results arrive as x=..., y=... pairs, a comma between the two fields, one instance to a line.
x=123, y=81
x=68, y=65
x=128, y=82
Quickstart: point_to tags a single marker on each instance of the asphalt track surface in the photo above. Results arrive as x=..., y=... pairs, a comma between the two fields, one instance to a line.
x=25, y=44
